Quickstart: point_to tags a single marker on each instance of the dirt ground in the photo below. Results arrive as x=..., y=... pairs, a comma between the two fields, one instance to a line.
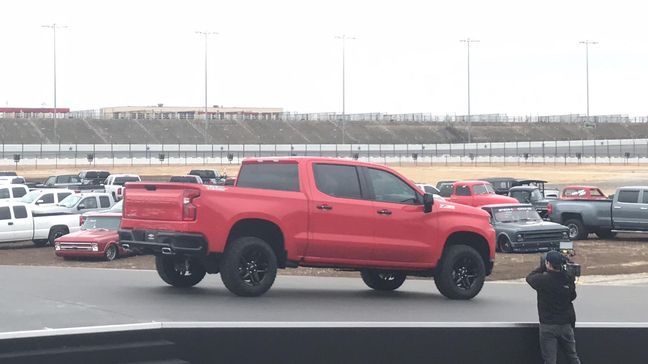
x=627, y=254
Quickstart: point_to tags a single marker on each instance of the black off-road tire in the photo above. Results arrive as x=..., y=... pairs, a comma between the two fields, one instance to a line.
x=504, y=244
x=179, y=271
x=461, y=273
x=55, y=233
x=383, y=280
x=576, y=229
x=248, y=267
x=606, y=234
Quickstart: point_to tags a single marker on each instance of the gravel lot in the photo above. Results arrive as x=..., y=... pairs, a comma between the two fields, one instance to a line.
x=628, y=254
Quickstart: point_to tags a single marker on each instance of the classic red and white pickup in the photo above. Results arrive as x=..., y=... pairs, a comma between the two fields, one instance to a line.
x=311, y=212
x=477, y=193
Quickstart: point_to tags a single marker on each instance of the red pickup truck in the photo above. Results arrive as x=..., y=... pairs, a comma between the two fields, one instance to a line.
x=477, y=193
x=311, y=212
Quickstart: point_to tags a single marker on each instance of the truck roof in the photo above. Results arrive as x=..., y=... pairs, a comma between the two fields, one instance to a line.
x=472, y=182
x=301, y=159
x=580, y=187
x=505, y=205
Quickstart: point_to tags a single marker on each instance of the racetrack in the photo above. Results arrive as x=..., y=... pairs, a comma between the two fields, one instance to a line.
x=45, y=297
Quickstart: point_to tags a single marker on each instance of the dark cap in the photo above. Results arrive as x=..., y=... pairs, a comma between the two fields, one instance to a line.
x=555, y=259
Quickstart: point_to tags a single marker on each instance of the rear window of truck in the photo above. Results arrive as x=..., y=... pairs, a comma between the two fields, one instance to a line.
x=269, y=176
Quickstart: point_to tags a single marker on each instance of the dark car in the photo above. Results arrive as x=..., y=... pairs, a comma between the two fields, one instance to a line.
x=93, y=177
x=445, y=188
x=531, y=195
x=186, y=179
x=7, y=173
x=519, y=228
x=502, y=185
x=61, y=181
x=208, y=176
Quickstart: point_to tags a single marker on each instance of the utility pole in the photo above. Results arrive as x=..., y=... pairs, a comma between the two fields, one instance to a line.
x=587, y=44
x=206, y=34
x=54, y=26
x=468, y=41
x=343, y=37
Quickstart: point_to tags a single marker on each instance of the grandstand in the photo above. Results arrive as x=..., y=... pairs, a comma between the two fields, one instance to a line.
x=123, y=131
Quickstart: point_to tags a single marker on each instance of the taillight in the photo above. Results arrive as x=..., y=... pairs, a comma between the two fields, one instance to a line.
x=81, y=220
x=188, y=208
x=549, y=209
x=119, y=191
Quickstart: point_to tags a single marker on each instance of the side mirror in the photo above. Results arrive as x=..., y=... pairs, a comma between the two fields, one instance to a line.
x=428, y=201
x=81, y=207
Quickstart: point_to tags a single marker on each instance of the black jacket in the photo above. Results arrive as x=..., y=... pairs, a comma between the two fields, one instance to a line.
x=556, y=291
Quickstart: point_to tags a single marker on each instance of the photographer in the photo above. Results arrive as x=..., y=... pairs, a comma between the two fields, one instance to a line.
x=556, y=291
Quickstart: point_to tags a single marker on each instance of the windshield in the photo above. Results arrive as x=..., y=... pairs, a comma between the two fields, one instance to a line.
x=516, y=214
x=483, y=189
x=70, y=201
x=30, y=197
x=184, y=179
x=101, y=222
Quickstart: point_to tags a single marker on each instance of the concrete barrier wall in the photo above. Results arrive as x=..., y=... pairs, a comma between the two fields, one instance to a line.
x=320, y=343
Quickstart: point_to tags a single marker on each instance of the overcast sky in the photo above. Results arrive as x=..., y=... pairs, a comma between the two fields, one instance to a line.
x=407, y=56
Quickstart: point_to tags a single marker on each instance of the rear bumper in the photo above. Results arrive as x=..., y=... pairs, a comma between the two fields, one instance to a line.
x=163, y=242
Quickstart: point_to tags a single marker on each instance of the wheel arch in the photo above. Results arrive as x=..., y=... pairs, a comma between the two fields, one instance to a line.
x=475, y=241
x=262, y=229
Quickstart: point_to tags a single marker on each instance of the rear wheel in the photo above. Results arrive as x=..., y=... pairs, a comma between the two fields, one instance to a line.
x=249, y=266
x=461, y=273
x=56, y=233
x=576, y=229
x=179, y=271
x=383, y=280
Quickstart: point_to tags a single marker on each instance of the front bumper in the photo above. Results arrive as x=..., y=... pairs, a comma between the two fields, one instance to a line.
x=535, y=246
x=163, y=242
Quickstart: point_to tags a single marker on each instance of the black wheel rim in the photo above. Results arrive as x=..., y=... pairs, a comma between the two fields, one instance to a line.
x=253, y=266
x=506, y=246
x=182, y=268
x=464, y=273
x=387, y=277
x=573, y=230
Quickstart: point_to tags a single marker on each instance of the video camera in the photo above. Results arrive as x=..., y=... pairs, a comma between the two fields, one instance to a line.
x=566, y=265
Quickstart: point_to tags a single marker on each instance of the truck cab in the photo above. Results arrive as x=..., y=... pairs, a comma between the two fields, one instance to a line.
x=477, y=193
x=531, y=195
x=582, y=193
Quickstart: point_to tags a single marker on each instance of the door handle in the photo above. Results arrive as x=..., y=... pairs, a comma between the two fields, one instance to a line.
x=644, y=208
x=324, y=207
x=384, y=212
x=617, y=207
x=10, y=223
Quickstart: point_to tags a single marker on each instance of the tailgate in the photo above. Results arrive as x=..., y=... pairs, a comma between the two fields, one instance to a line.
x=156, y=201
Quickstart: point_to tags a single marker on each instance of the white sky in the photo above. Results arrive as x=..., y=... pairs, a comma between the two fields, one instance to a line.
x=407, y=56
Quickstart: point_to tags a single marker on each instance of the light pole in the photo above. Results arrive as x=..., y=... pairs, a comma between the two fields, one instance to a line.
x=343, y=37
x=468, y=41
x=54, y=26
x=206, y=34
x=587, y=44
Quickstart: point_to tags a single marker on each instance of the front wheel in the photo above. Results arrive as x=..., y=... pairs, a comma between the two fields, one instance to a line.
x=249, y=266
x=56, y=233
x=111, y=252
x=383, y=280
x=505, y=245
x=461, y=273
x=179, y=271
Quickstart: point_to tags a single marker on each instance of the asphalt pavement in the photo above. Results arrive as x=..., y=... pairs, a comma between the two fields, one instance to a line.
x=46, y=297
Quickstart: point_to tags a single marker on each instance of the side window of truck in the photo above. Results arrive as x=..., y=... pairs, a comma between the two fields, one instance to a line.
x=338, y=180
x=628, y=196
x=48, y=198
x=463, y=191
x=19, y=191
x=104, y=201
x=4, y=193
x=389, y=188
x=5, y=214
x=20, y=212
x=269, y=176
x=645, y=197
x=89, y=202
x=63, y=195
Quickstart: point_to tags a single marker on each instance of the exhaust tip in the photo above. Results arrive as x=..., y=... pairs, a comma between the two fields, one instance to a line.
x=167, y=250
x=126, y=246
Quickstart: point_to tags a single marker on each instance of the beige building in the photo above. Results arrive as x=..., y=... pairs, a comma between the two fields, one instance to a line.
x=189, y=113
